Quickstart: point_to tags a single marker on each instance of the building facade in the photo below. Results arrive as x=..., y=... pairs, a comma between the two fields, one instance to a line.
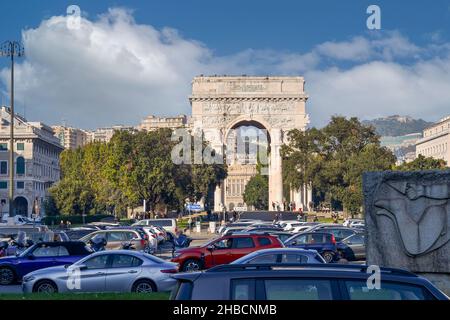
x=36, y=165
x=69, y=137
x=152, y=122
x=105, y=134
x=436, y=141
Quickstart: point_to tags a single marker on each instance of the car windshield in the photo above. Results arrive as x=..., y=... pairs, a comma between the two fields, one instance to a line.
x=27, y=251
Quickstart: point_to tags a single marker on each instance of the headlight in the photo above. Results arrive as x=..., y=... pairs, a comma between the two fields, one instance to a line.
x=28, y=278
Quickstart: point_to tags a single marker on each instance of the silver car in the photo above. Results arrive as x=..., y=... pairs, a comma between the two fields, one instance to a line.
x=105, y=271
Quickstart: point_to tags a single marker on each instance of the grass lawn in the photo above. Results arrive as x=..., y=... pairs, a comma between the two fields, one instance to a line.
x=86, y=296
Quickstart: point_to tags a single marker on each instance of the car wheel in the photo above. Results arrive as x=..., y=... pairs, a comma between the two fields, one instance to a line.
x=192, y=265
x=328, y=256
x=45, y=286
x=144, y=286
x=7, y=276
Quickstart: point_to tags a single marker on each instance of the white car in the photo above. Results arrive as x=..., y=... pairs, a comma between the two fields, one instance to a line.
x=167, y=224
x=301, y=228
x=350, y=222
x=152, y=238
x=292, y=225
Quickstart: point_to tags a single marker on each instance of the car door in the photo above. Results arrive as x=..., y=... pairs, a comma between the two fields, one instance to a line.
x=43, y=256
x=115, y=239
x=221, y=254
x=356, y=243
x=93, y=273
x=241, y=246
x=122, y=272
x=315, y=241
x=301, y=241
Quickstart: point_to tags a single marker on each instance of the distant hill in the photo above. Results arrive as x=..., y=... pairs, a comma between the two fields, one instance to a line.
x=397, y=125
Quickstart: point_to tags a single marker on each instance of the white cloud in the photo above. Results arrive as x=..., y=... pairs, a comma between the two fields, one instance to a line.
x=113, y=70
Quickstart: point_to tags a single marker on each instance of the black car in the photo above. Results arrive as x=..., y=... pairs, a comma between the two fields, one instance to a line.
x=301, y=282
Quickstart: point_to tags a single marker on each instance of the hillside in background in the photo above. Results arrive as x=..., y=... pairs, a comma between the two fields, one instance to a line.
x=397, y=125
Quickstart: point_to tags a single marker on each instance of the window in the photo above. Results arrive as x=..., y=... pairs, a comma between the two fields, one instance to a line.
x=98, y=262
x=294, y=258
x=3, y=147
x=358, y=290
x=20, y=185
x=264, y=241
x=356, y=239
x=20, y=146
x=125, y=261
x=298, y=289
x=266, y=258
x=3, y=185
x=3, y=167
x=241, y=243
x=20, y=165
x=116, y=236
x=224, y=244
x=45, y=251
x=243, y=289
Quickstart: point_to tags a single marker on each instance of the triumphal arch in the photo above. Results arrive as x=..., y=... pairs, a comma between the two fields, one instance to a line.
x=275, y=105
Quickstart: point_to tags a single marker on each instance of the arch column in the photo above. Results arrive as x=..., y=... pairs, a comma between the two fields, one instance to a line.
x=219, y=198
x=275, y=170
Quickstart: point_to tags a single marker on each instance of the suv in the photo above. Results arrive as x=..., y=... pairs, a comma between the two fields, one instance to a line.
x=169, y=225
x=301, y=282
x=322, y=242
x=116, y=238
x=223, y=250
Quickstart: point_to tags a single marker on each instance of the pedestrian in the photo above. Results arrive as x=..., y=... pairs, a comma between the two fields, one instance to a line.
x=273, y=206
x=61, y=224
x=69, y=224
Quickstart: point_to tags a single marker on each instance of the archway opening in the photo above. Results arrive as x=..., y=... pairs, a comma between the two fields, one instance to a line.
x=21, y=206
x=247, y=145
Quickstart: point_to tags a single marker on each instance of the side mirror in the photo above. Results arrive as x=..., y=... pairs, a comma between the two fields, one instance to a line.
x=210, y=247
x=293, y=243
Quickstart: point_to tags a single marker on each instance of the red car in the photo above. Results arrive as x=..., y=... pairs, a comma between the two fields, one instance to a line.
x=223, y=250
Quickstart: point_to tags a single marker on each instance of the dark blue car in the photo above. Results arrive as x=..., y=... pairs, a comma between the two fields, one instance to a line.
x=39, y=256
x=324, y=243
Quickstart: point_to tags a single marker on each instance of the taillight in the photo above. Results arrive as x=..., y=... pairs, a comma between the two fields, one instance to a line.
x=169, y=270
x=333, y=239
x=154, y=236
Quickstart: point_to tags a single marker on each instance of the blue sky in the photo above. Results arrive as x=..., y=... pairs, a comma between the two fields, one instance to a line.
x=322, y=40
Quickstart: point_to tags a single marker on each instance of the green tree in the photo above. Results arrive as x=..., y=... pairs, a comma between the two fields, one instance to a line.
x=333, y=159
x=423, y=163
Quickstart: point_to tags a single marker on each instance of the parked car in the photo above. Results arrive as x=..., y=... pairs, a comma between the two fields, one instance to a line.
x=350, y=222
x=79, y=232
x=282, y=235
x=238, y=224
x=267, y=228
x=106, y=271
x=168, y=224
x=223, y=250
x=339, y=232
x=41, y=255
x=322, y=242
x=116, y=238
x=301, y=282
x=353, y=247
x=282, y=256
x=301, y=228
x=48, y=236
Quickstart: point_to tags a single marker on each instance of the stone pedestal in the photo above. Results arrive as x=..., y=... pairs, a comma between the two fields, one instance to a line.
x=407, y=219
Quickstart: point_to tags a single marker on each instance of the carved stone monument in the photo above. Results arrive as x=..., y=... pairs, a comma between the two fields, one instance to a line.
x=221, y=104
x=408, y=222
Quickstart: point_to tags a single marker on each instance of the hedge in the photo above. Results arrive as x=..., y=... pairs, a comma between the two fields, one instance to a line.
x=78, y=219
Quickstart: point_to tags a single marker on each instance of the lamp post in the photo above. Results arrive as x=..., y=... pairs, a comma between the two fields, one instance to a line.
x=11, y=49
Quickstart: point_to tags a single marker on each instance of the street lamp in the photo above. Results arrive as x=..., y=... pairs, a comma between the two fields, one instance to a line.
x=11, y=49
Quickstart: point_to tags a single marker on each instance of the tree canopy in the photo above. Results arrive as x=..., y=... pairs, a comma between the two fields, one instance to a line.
x=333, y=159
x=110, y=177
